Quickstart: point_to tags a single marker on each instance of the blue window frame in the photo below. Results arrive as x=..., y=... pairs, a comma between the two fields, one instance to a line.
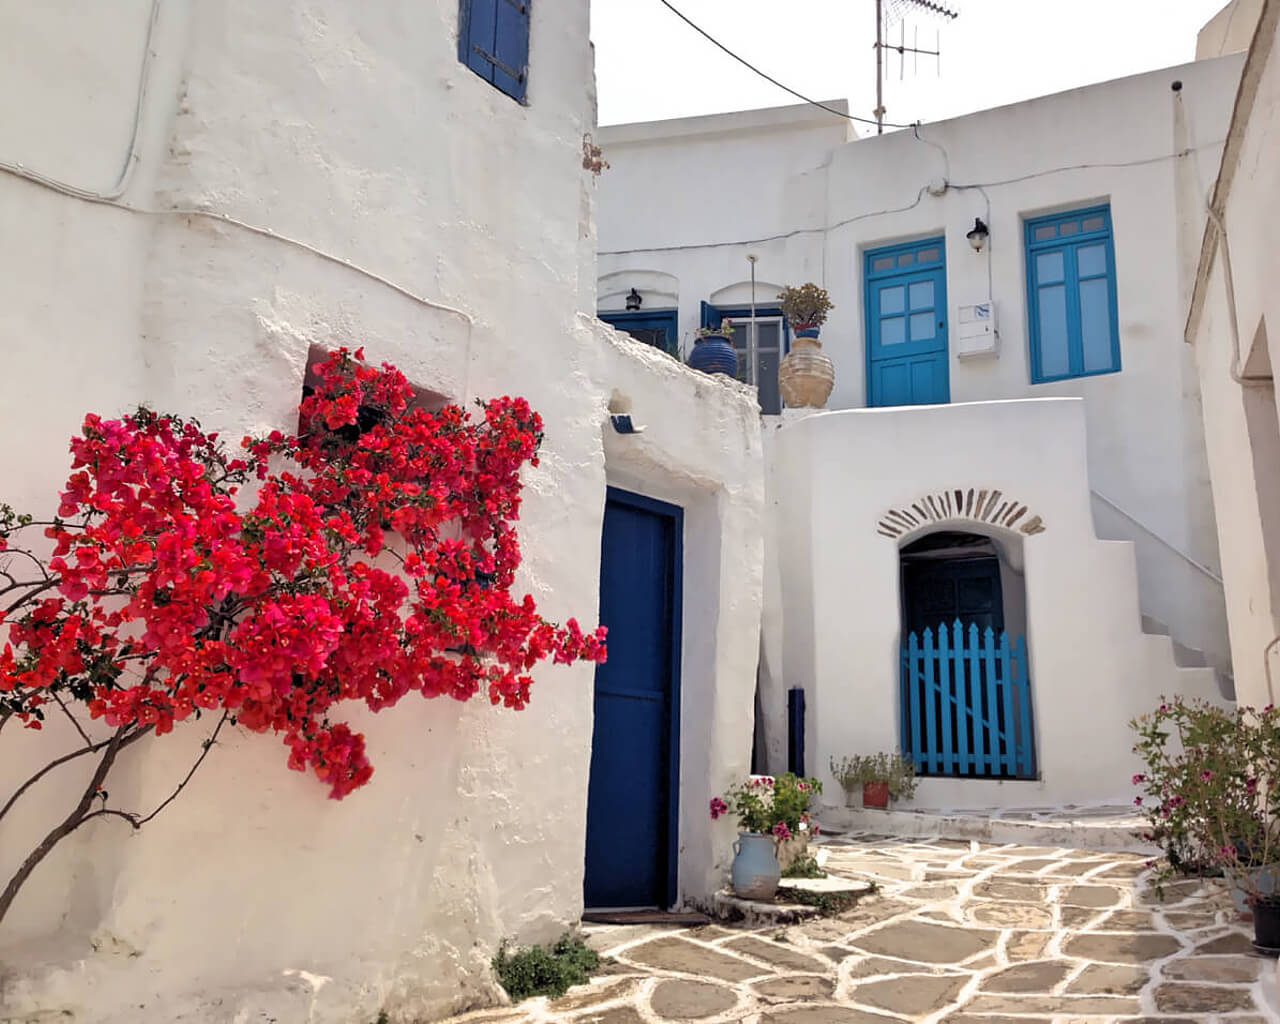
x=773, y=341
x=1071, y=295
x=493, y=41
x=656, y=328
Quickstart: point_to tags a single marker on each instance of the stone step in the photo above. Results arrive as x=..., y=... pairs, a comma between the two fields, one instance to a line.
x=798, y=899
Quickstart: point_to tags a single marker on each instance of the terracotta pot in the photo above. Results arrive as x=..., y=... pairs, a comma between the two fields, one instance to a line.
x=875, y=794
x=791, y=850
x=806, y=374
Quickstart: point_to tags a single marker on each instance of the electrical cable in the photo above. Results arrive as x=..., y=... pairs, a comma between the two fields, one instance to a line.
x=131, y=155
x=902, y=209
x=786, y=88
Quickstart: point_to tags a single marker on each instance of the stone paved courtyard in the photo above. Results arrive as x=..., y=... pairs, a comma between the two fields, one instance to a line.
x=959, y=932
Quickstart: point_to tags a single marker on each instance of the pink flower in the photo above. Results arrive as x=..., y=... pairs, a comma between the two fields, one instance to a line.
x=781, y=832
x=1139, y=779
x=1137, y=801
x=718, y=807
x=1206, y=775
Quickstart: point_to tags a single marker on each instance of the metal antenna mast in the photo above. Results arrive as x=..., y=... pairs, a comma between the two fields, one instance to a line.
x=899, y=8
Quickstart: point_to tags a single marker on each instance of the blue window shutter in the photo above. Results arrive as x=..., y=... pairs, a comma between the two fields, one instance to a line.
x=1071, y=295
x=477, y=33
x=493, y=41
x=512, y=48
x=711, y=315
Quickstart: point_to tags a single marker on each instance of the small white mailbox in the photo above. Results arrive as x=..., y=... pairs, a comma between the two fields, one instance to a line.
x=976, y=331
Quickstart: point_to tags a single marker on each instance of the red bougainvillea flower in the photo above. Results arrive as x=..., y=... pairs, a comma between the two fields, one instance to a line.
x=371, y=556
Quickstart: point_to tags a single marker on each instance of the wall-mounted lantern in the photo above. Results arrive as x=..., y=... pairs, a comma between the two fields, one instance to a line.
x=978, y=235
x=633, y=301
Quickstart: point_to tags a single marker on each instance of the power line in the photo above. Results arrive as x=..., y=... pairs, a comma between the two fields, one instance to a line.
x=959, y=186
x=769, y=78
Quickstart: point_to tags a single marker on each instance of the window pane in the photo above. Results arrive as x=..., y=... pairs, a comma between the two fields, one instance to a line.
x=891, y=299
x=921, y=295
x=906, y=259
x=1091, y=260
x=1093, y=224
x=744, y=364
x=928, y=256
x=1095, y=325
x=921, y=326
x=1045, y=231
x=893, y=331
x=1068, y=227
x=1054, y=360
x=768, y=335
x=1049, y=267
x=767, y=375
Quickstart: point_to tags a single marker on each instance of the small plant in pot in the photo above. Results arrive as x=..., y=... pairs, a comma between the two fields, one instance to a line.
x=770, y=812
x=880, y=778
x=806, y=308
x=713, y=350
x=1211, y=789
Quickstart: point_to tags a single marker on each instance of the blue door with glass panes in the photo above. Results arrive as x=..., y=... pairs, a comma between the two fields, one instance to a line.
x=906, y=303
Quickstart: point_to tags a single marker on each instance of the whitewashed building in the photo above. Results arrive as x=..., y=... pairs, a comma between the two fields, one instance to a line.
x=1231, y=320
x=1014, y=440
x=196, y=199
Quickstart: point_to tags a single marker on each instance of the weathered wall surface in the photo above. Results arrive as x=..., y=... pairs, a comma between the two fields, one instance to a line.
x=1231, y=324
x=364, y=189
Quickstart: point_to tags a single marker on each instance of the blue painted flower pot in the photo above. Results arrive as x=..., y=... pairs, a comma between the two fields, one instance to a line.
x=755, y=870
x=807, y=332
x=714, y=354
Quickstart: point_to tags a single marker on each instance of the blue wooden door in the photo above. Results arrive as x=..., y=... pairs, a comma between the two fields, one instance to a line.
x=632, y=795
x=906, y=303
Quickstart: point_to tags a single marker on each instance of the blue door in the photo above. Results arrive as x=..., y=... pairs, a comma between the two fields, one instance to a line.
x=906, y=303
x=632, y=795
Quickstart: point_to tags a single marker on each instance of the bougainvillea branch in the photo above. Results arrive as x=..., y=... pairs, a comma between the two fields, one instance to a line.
x=368, y=556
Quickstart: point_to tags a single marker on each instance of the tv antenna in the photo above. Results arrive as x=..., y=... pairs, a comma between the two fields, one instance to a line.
x=897, y=10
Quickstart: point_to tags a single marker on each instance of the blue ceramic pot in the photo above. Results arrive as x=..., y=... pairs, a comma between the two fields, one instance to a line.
x=714, y=354
x=755, y=870
x=807, y=332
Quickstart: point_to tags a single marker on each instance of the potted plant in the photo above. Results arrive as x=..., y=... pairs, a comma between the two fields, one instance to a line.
x=882, y=777
x=770, y=811
x=713, y=350
x=1211, y=789
x=806, y=374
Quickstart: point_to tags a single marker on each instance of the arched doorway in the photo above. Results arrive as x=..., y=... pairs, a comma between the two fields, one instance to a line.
x=965, y=686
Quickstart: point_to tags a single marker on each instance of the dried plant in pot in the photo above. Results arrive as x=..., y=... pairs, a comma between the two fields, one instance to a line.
x=806, y=374
x=880, y=777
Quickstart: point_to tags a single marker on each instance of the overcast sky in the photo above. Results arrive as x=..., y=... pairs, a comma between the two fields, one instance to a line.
x=650, y=64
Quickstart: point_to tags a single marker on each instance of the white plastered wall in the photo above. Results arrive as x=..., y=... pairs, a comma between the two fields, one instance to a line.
x=356, y=132
x=1242, y=438
x=840, y=473
x=665, y=209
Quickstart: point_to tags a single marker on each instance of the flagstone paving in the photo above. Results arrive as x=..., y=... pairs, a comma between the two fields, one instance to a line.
x=958, y=933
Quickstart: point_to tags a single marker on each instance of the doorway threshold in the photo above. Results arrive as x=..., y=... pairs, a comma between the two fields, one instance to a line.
x=644, y=915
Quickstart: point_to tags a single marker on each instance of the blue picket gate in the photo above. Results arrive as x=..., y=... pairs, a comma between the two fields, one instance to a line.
x=966, y=704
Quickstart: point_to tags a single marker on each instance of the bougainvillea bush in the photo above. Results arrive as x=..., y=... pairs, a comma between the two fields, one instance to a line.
x=368, y=556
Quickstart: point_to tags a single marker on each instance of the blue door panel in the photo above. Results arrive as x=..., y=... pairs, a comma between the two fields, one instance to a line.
x=631, y=799
x=906, y=313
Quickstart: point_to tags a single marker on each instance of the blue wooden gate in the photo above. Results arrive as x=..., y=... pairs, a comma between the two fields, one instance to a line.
x=632, y=794
x=906, y=303
x=966, y=703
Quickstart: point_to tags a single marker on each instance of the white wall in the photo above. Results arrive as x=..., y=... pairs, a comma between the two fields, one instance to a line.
x=1091, y=668
x=663, y=210
x=1233, y=327
x=356, y=132
x=1230, y=30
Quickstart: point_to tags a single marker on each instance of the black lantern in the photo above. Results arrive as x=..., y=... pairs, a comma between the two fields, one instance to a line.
x=978, y=235
x=633, y=301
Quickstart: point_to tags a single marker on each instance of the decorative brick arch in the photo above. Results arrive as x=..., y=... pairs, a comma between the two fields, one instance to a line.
x=985, y=505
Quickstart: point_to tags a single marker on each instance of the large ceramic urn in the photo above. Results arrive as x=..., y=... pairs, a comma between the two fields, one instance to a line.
x=806, y=375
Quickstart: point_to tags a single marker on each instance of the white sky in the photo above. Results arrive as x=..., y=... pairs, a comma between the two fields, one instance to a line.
x=651, y=65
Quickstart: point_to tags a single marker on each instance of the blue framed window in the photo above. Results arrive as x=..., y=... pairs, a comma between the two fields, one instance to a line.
x=760, y=351
x=1071, y=295
x=657, y=328
x=493, y=41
